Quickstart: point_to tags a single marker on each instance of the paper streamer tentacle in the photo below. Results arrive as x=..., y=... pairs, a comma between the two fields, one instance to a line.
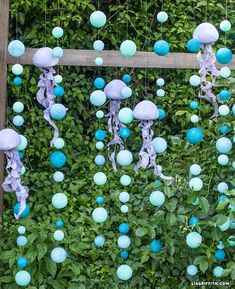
x=147, y=155
x=114, y=125
x=208, y=72
x=12, y=182
x=46, y=97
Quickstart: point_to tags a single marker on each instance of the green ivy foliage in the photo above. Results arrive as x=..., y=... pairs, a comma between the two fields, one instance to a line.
x=86, y=266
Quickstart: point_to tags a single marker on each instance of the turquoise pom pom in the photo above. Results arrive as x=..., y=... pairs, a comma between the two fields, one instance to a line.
x=58, y=91
x=100, y=179
x=194, y=135
x=98, y=45
x=99, y=241
x=18, y=120
x=192, y=270
x=57, y=32
x=124, y=242
x=193, y=239
x=128, y=48
x=98, y=19
x=99, y=160
x=59, y=224
x=59, y=201
x=161, y=47
x=98, y=97
x=225, y=72
x=58, y=235
x=155, y=246
x=59, y=143
x=24, y=213
x=17, y=81
x=126, y=78
x=16, y=48
x=196, y=184
x=21, y=230
x=124, y=132
x=162, y=16
x=125, y=115
x=58, y=255
x=99, y=215
x=218, y=271
x=223, y=145
x=224, y=55
x=58, y=159
x=193, y=45
x=21, y=241
x=124, y=158
x=18, y=107
x=22, y=262
x=125, y=180
x=57, y=52
x=99, y=83
x=157, y=198
x=159, y=145
x=124, y=272
x=58, y=111
x=22, y=278
x=17, y=69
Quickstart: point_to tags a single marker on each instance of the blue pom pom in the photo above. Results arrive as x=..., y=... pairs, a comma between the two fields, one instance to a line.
x=24, y=213
x=58, y=111
x=17, y=81
x=162, y=114
x=224, y=95
x=125, y=132
x=155, y=246
x=224, y=129
x=194, y=135
x=193, y=45
x=58, y=91
x=161, y=47
x=193, y=221
x=99, y=83
x=224, y=55
x=59, y=224
x=219, y=255
x=194, y=104
x=22, y=262
x=100, y=200
x=124, y=254
x=123, y=228
x=126, y=78
x=99, y=160
x=58, y=159
x=99, y=241
x=222, y=197
x=100, y=134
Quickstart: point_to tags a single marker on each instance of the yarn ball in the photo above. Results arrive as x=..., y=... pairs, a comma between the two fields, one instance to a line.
x=98, y=19
x=58, y=111
x=157, y=198
x=224, y=55
x=22, y=262
x=193, y=239
x=98, y=97
x=22, y=278
x=155, y=246
x=59, y=201
x=194, y=135
x=128, y=48
x=58, y=255
x=99, y=215
x=161, y=47
x=99, y=241
x=100, y=179
x=24, y=214
x=124, y=158
x=124, y=272
x=58, y=159
x=124, y=132
x=16, y=48
x=98, y=45
x=57, y=32
x=193, y=45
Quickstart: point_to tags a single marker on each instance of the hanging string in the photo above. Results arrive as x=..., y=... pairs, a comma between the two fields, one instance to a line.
x=45, y=23
x=206, y=12
x=226, y=17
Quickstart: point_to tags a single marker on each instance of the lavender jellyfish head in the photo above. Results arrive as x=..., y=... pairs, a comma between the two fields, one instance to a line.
x=43, y=58
x=206, y=33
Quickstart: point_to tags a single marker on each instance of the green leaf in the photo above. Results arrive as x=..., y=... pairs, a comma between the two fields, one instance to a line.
x=51, y=267
x=140, y=232
x=204, y=204
x=42, y=249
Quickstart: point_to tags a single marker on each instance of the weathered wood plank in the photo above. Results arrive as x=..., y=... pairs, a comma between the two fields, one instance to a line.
x=4, y=18
x=73, y=57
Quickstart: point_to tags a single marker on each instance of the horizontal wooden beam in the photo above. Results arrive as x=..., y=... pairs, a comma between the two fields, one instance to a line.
x=73, y=57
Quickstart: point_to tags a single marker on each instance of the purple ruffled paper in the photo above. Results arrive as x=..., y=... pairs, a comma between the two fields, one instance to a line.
x=12, y=182
x=207, y=59
x=114, y=125
x=46, y=97
x=147, y=155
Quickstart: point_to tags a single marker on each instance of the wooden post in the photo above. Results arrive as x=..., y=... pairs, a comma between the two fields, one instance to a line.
x=4, y=22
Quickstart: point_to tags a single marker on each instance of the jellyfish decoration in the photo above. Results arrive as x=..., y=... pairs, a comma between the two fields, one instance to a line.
x=146, y=111
x=45, y=61
x=207, y=35
x=9, y=141
x=114, y=91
